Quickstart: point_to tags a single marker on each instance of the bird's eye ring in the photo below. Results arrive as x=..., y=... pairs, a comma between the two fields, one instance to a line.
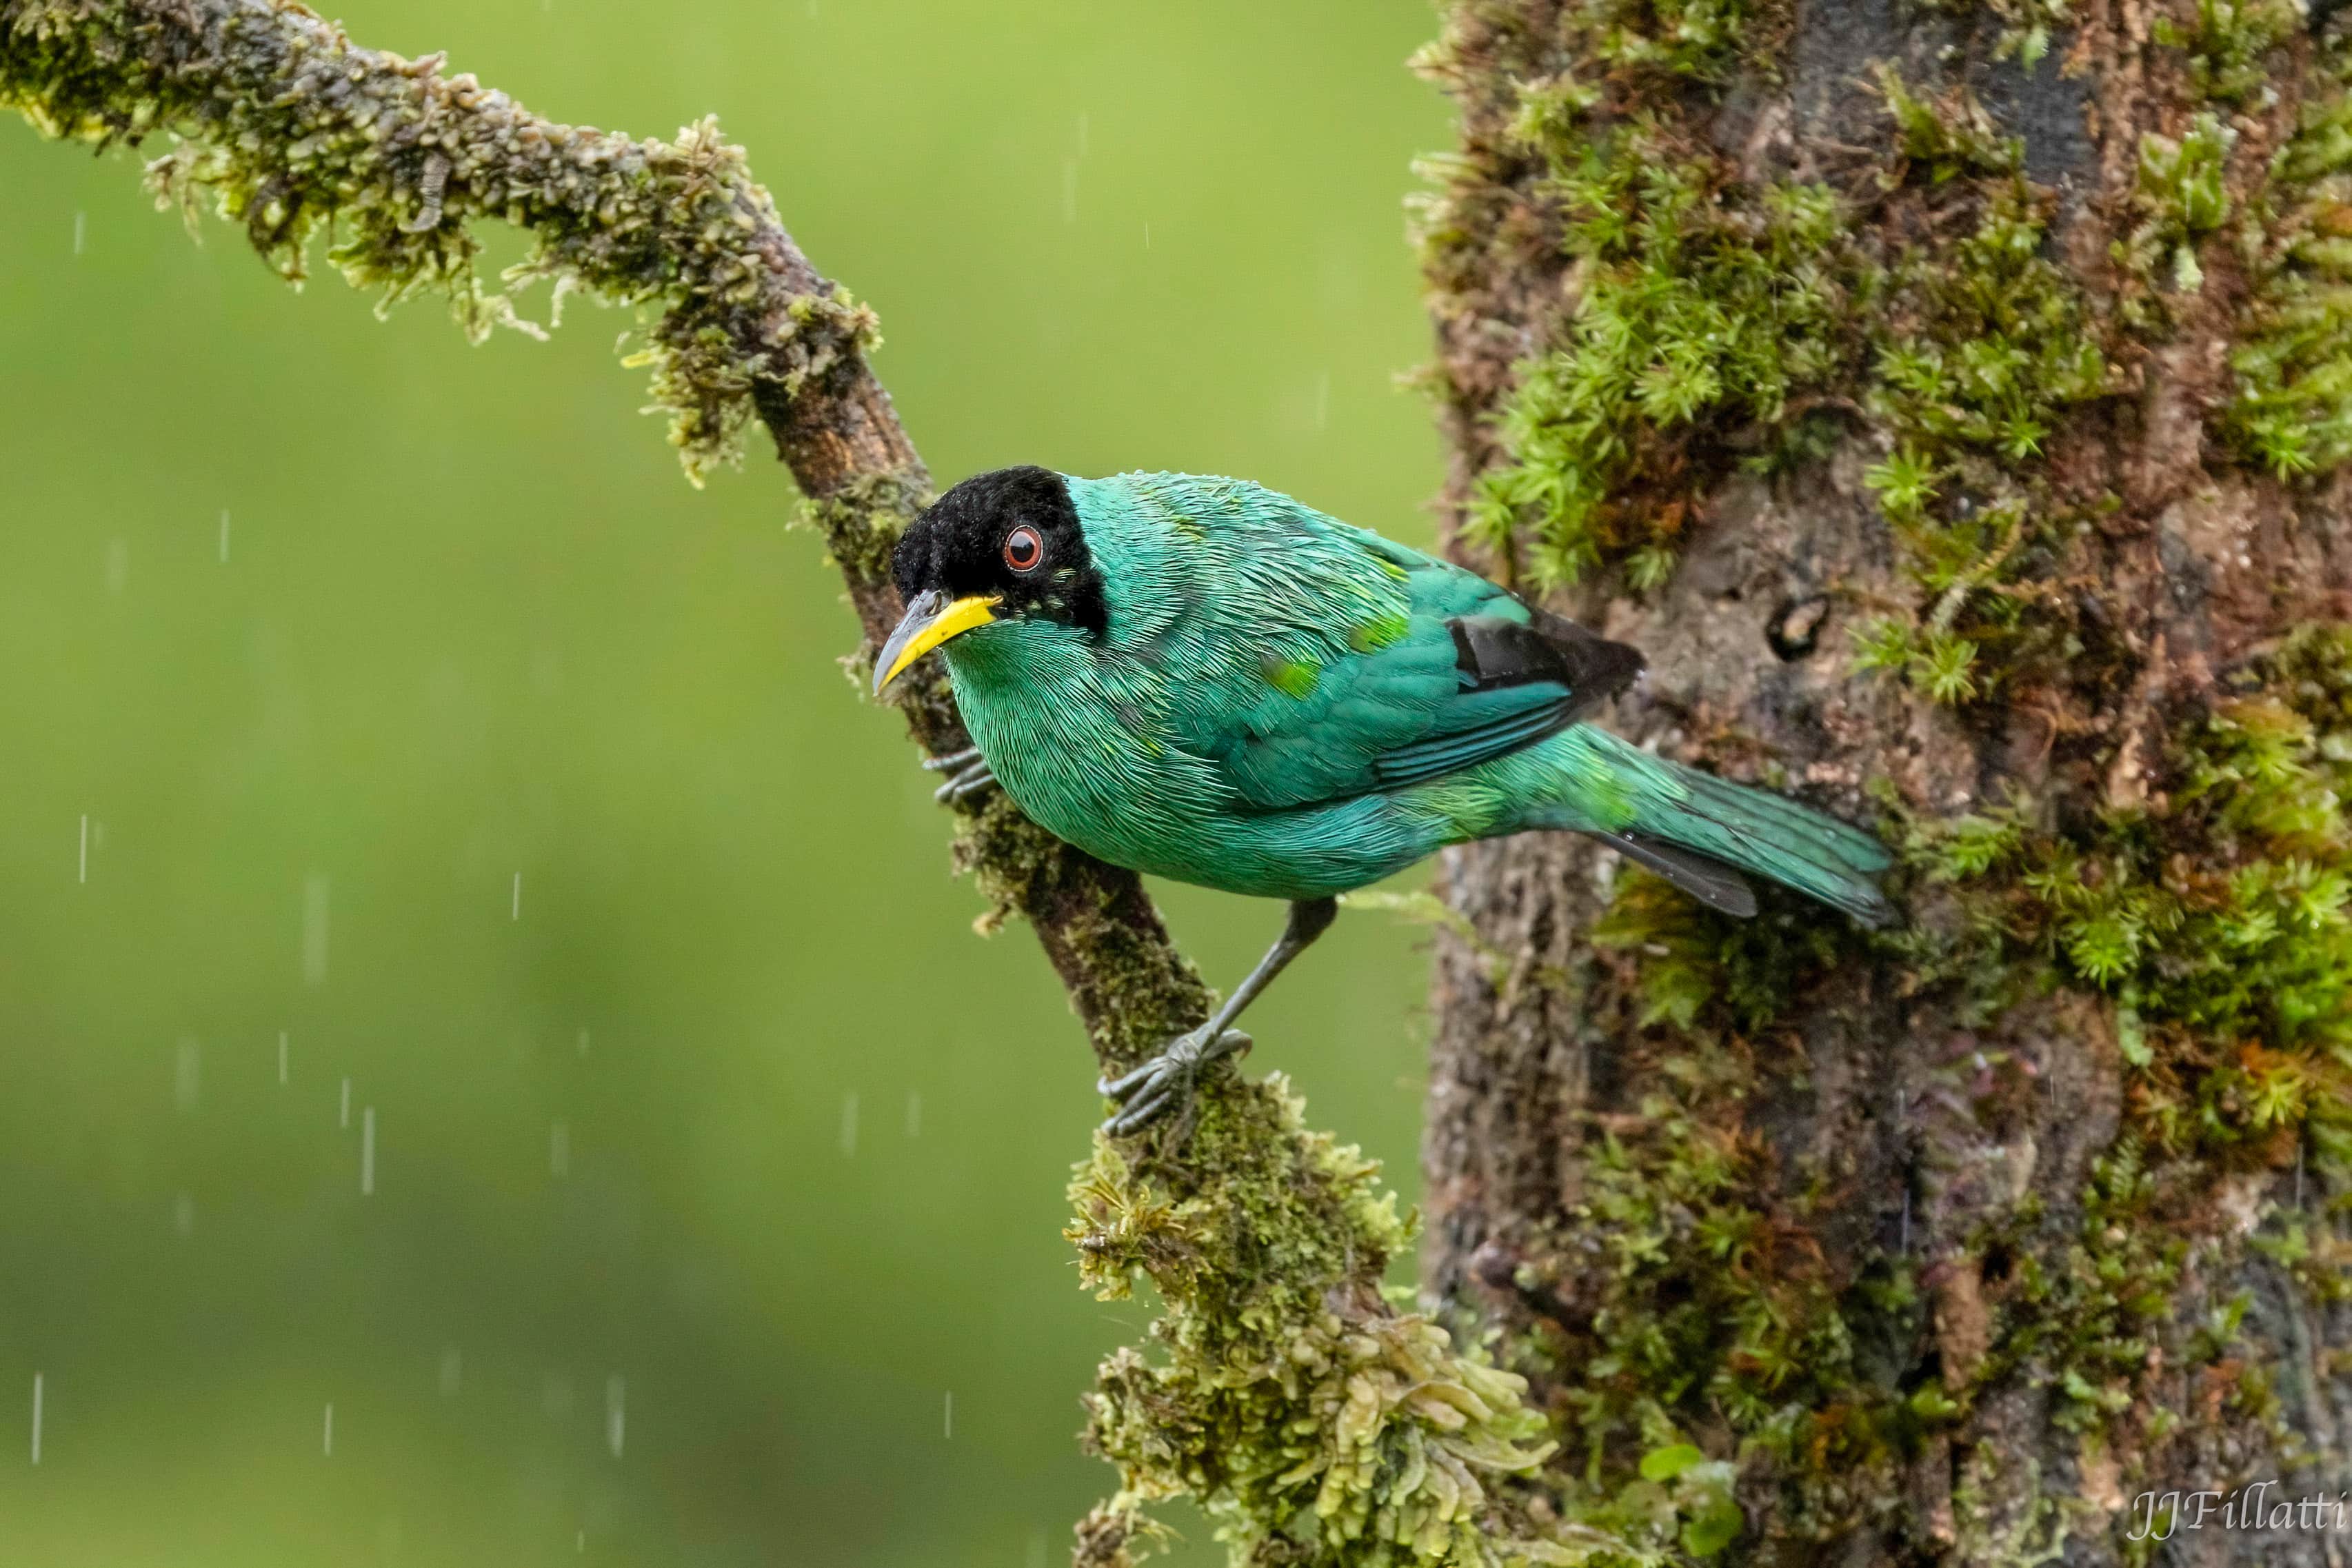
x=1023, y=550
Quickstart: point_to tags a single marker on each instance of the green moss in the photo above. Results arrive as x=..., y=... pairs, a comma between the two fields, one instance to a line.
x=2215, y=921
x=1996, y=344
x=1687, y=1299
x=1689, y=1291
x=302, y=138
x=2311, y=1248
x=1309, y=1421
x=1700, y=306
x=2227, y=42
x=1696, y=967
x=1992, y=346
x=1979, y=350
x=861, y=522
x=2182, y=195
x=2000, y=1534
x=2085, y=1314
x=2218, y=917
x=1687, y=40
x=1710, y=318
x=1945, y=137
x=2292, y=412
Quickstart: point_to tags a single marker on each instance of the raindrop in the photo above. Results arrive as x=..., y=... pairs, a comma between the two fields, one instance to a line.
x=183, y=1216
x=85, y=847
x=118, y=565
x=326, y=1444
x=81, y=231
x=281, y=1056
x=914, y=1113
x=187, y=1073
x=849, y=1122
x=224, y=536
x=518, y=896
x=583, y=1042
x=1036, y=1549
x=616, y=1396
x=559, y=1149
x=36, y=1419
x=948, y=1427
x=367, y=1153
x=314, y=928
x=343, y=1115
x=453, y=1373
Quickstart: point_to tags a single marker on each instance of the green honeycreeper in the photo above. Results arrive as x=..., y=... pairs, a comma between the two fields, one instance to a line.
x=1200, y=679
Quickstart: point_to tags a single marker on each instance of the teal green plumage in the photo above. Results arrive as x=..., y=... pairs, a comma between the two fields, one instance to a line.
x=1270, y=702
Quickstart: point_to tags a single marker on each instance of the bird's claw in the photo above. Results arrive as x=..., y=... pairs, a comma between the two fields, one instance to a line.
x=1168, y=1081
x=962, y=785
x=967, y=773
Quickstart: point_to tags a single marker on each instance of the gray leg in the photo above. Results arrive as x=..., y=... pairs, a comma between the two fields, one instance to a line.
x=1169, y=1080
x=967, y=773
x=970, y=781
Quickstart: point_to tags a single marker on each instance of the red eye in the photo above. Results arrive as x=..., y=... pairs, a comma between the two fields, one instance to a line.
x=1023, y=549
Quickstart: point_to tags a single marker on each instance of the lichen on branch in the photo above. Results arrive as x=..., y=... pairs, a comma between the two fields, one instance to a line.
x=297, y=134
x=1311, y=1422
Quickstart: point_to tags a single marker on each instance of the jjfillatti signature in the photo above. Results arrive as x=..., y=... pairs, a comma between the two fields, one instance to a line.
x=2158, y=1516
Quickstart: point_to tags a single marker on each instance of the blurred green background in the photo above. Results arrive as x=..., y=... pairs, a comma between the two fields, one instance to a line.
x=708, y=1172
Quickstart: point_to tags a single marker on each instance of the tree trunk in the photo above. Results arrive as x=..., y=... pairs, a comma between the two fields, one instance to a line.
x=1956, y=432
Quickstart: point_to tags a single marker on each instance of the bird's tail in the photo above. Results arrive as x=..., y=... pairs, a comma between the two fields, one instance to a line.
x=1700, y=832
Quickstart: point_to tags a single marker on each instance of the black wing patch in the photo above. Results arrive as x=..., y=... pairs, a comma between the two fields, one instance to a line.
x=1491, y=652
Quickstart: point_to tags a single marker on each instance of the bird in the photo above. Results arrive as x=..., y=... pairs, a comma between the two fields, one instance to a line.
x=1201, y=679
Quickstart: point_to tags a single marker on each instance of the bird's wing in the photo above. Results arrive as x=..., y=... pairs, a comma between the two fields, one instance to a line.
x=1313, y=661
x=1537, y=675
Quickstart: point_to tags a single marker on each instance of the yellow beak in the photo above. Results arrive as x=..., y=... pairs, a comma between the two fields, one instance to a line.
x=929, y=621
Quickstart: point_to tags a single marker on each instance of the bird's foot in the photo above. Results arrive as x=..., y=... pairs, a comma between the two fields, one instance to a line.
x=964, y=785
x=967, y=773
x=1168, y=1081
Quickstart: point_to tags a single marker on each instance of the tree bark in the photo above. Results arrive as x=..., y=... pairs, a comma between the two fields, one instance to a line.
x=1957, y=1244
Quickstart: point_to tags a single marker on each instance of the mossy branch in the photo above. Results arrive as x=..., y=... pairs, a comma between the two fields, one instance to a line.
x=299, y=135
x=1288, y=1383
